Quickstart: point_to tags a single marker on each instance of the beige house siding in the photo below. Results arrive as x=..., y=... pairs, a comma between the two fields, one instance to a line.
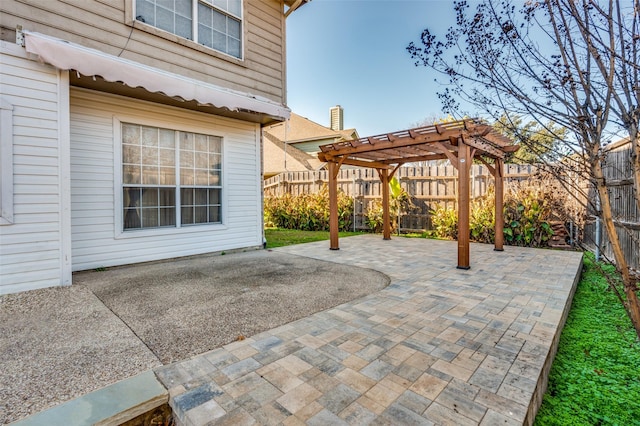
x=103, y=25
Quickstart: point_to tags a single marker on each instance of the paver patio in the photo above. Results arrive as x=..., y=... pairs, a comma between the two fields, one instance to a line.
x=439, y=345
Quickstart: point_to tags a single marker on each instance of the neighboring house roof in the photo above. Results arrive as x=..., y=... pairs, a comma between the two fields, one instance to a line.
x=618, y=145
x=301, y=129
x=279, y=158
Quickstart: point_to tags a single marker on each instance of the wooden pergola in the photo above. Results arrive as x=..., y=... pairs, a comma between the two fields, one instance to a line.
x=460, y=142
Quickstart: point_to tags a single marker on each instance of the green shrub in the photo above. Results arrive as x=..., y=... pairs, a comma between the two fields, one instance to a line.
x=307, y=212
x=445, y=222
x=374, y=217
x=527, y=210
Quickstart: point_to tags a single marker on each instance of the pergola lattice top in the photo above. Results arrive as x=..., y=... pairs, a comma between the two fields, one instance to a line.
x=435, y=142
x=458, y=141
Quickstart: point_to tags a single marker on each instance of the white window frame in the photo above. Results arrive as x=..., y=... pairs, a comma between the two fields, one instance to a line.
x=6, y=162
x=194, y=28
x=120, y=232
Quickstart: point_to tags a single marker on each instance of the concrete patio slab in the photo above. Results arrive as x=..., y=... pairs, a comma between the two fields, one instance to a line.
x=439, y=345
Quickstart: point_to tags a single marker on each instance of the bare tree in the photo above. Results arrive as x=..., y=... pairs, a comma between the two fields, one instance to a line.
x=572, y=63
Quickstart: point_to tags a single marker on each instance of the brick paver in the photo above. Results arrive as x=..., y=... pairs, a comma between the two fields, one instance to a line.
x=439, y=345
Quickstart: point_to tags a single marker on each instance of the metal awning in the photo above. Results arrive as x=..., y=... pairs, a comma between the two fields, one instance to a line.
x=65, y=55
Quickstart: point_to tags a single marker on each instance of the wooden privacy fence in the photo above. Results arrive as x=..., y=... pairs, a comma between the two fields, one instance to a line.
x=618, y=172
x=428, y=186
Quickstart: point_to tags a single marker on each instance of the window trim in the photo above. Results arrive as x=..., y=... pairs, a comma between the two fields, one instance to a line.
x=119, y=231
x=6, y=162
x=130, y=14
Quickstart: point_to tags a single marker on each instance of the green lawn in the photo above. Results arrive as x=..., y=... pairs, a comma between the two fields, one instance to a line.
x=286, y=237
x=595, y=378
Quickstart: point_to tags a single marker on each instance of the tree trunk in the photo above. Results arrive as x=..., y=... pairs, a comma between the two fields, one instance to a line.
x=632, y=305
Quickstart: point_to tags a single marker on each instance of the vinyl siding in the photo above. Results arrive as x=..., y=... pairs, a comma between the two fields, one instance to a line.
x=31, y=247
x=95, y=240
x=102, y=26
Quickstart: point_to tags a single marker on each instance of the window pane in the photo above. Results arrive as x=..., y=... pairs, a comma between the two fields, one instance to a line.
x=164, y=19
x=149, y=197
x=215, y=144
x=131, y=174
x=215, y=178
x=214, y=196
x=200, y=197
x=233, y=28
x=205, y=16
x=201, y=215
x=167, y=197
x=130, y=201
x=150, y=218
x=234, y=47
x=184, y=27
x=187, y=215
x=131, y=134
x=149, y=175
x=235, y=7
x=219, y=41
x=183, y=8
x=186, y=159
x=167, y=176
x=204, y=35
x=186, y=140
x=167, y=157
x=202, y=161
x=219, y=22
x=187, y=177
x=168, y=216
x=149, y=156
x=214, y=214
x=167, y=138
x=186, y=196
x=131, y=154
x=214, y=161
x=145, y=11
x=149, y=136
x=202, y=177
x=201, y=143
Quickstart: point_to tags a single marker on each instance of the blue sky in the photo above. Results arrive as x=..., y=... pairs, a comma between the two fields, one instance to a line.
x=353, y=53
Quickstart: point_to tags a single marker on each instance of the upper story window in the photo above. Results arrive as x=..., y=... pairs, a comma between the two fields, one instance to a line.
x=213, y=23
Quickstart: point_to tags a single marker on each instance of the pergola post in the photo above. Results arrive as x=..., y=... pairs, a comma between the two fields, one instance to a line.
x=499, y=206
x=386, y=216
x=333, y=206
x=464, y=163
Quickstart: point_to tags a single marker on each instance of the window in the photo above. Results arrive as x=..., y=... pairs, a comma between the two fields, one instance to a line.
x=213, y=23
x=170, y=178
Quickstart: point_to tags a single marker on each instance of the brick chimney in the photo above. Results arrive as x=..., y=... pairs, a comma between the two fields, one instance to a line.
x=337, y=118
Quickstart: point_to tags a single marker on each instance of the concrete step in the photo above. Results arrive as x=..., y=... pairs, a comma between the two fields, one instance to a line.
x=111, y=405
